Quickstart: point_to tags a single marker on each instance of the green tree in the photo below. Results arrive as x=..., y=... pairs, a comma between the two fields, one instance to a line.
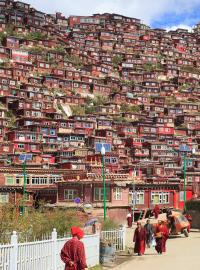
x=36, y=223
x=59, y=48
x=11, y=119
x=148, y=67
x=78, y=110
x=100, y=100
x=36, y=36
x=117, y=59
x=78, y=63
x=134, y=109
x=90, y=109
x=129, y=108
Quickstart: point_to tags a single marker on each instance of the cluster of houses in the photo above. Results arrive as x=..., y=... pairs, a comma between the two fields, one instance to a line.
x=70, y=85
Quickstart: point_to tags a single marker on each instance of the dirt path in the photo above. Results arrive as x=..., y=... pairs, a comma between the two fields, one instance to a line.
x=182, y=254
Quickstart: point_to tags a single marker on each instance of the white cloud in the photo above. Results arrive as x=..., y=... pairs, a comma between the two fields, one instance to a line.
x=146, y=10
x=181, y=26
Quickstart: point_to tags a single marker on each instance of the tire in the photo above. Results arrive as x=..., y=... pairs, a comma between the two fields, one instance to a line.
x=185, y=232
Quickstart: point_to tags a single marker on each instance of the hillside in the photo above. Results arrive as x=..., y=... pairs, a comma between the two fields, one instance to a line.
x=68, y=84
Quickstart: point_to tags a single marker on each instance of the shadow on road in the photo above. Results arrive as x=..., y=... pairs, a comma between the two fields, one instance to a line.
x=176, y=236
x=195, y=230
x=151, y=254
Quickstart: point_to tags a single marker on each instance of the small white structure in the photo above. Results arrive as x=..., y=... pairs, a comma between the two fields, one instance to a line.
x=43, y=255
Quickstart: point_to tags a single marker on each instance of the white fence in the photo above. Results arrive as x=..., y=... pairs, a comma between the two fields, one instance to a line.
x=43, y=255
x=117, y=237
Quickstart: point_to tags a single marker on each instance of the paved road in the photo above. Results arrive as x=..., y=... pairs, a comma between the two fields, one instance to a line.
x=182, y=254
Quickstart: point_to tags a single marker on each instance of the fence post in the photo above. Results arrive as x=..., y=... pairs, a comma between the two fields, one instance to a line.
x=14, y=252
x=54, y=249
x=124, y=237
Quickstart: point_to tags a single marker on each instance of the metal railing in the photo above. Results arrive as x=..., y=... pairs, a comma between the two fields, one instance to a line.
x=116, y=237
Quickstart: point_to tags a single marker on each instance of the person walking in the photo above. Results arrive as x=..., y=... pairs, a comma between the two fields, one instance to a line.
x=149, y=233
x=156, y=211
x=129, y=218
x=140, y=239
x=161, y=235
x=189, y=218
x=73, y=252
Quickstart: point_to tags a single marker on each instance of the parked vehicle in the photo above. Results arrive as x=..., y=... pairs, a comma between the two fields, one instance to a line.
x=178, y=224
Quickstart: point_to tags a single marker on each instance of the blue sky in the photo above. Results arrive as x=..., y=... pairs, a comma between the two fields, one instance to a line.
x=157, y=13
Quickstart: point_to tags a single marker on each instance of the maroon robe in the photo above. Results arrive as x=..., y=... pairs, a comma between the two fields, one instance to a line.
x=129, y=220
x=139, y=239
x=189, y=218
x=161, y=242
x=74, y=251
x=156, y=211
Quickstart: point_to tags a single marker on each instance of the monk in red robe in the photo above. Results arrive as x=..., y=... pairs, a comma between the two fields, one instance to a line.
x=189, y=218
x=139, y=239
x=73, y=252
x=129, y=218
x=156, y=211
x=161, y=234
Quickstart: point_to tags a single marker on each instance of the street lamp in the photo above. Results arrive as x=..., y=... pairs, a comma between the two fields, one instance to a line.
x=24, y=187
x=103, y=152
x=24, y=158
x=185, y=149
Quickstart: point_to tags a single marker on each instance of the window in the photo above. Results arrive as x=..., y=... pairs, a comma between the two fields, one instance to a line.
x=33, y=147
x=39, y=180
x=159, y=197
x=71, y=125
x=52, y=131
x=113, y=160
x=4, y=197
x=9, y=180
x=99, y=195
x=70, y=194
x=54, y=178
x=139, y=197
x=63, y=124
x=21, y=146
x=18, y=178
x=181, y=196
x=27, y=180
x=118, y=193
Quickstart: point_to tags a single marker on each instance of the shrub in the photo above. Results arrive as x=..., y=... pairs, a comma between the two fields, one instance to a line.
x=109, y=224
x=193, y=205
x=36, y=223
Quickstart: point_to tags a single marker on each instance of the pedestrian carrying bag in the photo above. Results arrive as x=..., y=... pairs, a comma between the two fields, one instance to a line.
x=153, y=242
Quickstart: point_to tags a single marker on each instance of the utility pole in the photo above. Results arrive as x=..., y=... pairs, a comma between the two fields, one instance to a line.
x=104, y=182
x=184, y=176
x=24, y=187
x=24, y=158
x=133, y=200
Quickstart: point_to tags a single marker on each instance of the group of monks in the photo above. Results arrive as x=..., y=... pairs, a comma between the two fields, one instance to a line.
x=73, y=252
x=155, y=211
x=142, y=237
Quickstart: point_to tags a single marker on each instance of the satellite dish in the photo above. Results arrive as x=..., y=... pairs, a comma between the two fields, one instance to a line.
x=87, y=208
